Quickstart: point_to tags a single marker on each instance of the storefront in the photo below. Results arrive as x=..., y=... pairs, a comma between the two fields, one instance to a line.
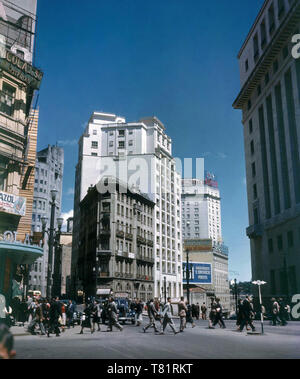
x=14, y=256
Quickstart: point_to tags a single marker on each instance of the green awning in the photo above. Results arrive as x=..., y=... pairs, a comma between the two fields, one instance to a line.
x=20, y=253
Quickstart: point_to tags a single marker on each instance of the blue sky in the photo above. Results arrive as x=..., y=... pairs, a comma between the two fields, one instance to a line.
x=176, y=59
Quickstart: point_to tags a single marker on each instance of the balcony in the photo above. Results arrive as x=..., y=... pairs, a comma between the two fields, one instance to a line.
x=145, y=259
x=129, y=236
x=125, y=254
x=141, y=240
x=120, y=233
x=103, y=251
x=149, y=242
x=144, y=277
x=104, y=275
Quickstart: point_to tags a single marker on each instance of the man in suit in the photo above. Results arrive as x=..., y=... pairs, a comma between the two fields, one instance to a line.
x=113, y=315
x=167, y=317
x=153, y=315
x=182, y=309
x=219, y=315
x=247, y=312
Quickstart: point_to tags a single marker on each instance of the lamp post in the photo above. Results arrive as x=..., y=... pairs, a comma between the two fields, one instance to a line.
x=56, y=289
x=51, y=233
x=187, y=277
x=260, y=283
x=233, y=282
x=165, y=289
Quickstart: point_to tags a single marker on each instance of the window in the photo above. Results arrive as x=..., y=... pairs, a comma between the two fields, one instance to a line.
x=94, y=132
x=94, y=154
x=271, y=19
x=254, y=191
x=285, y=52
x=290, y=238
x=263, y=34
x=249, y=105
x=252, y=147
x=94, y=144
x=255, y=47
x=246, y=65
x=280, y=8
x=250, y=126
x=3, y=173
x=111, y=143
x=130, y=143
x=259, y=90
x=121, y=133
x=253, y=169
x=275, y=66
x=267, y=78
x=121, y=144
x=7, y=99
x=279, y=242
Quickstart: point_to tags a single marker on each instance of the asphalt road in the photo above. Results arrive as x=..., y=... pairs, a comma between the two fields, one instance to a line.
x=195, y=343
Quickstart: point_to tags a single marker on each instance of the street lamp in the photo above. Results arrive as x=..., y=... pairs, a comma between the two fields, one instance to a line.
x=260, y=283
x=165, y=289
x=53, y=236
x=187, y=272
x=233, y=282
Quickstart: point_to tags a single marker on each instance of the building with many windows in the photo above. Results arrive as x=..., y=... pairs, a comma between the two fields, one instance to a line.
x=19, y=80
x=139, y=154
x=208, y=272
x=270, y=104
x=116, y=243
x=48, y=176
x=201, y=209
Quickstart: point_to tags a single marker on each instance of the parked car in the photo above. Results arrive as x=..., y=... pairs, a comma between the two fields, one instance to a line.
x=125, y=313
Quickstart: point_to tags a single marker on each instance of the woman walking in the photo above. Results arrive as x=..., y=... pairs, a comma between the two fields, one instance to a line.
x=86, y=318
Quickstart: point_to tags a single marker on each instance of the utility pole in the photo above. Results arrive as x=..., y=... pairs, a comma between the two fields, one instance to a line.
x=187, y=277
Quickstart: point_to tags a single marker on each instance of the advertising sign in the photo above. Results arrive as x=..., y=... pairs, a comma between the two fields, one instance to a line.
x=21, y=69
x=10, y=203
x=210, y=179
x=200, y=273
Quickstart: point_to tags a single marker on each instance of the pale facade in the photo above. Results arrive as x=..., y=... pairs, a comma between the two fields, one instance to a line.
x=143, y=147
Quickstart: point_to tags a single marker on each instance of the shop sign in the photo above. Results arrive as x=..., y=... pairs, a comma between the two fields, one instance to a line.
x=10, y=203
x=11, y=237
x=21, y=69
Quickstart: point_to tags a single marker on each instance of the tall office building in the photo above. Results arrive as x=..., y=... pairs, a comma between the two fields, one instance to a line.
x=201, y=209
x=19, y=80
x=143, y=153
x=270, y=102
x=48, y=176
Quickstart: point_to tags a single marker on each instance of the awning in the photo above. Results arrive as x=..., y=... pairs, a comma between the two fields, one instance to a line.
x=21, y=253
x=103, y=291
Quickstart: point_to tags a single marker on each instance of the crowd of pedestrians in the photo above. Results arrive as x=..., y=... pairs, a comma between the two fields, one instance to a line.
x=53, y=316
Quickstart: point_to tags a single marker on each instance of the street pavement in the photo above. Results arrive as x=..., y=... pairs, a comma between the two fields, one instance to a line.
x=280, y=342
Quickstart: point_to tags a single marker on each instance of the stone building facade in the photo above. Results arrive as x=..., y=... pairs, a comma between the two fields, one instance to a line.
x=116, y=243
x=270, y=104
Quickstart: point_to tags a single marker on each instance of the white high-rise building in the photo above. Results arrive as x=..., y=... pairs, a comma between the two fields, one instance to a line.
x=201, y=209
x=139, y=153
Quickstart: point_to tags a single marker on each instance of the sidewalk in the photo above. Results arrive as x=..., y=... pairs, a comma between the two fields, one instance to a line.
x=18, y=331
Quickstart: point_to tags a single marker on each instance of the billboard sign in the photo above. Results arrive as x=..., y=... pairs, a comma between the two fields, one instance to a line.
x=10, y=203
x=200, y=273
x=210, y=179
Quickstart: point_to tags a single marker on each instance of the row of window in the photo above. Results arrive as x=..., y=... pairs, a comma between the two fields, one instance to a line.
x=279, y=242
x=263, y=30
